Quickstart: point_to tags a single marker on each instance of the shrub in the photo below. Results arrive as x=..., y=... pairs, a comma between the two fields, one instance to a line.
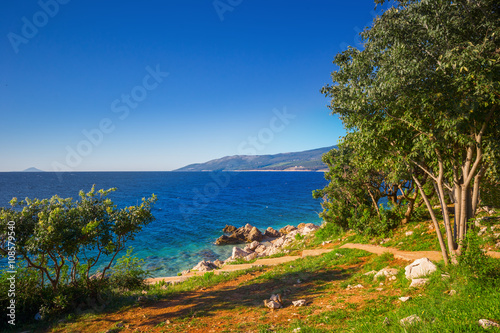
x=367, y=222
x=327, y=231
x=58, y=242
x=128, y=273
x=474, y=264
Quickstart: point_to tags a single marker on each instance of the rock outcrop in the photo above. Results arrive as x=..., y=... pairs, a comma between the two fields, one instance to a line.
x=246, y=234
x=229, y=229
x=254, y=249
x=272, y=233
x=204, y=266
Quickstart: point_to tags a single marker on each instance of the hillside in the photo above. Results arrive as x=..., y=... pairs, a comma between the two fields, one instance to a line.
x=32, y=169
x=309, y=160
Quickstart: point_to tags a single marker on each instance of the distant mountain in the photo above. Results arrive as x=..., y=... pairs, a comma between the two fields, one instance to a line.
x=32, y=169
x=309, y=160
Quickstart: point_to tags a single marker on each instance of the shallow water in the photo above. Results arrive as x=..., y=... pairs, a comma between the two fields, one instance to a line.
x=192, y=207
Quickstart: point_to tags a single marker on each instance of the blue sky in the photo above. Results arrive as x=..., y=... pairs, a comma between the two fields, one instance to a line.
x=155, y=85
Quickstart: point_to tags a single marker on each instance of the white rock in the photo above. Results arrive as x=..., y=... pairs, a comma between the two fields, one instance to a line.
x=251, y=247
x=251, y=256
x=408, y=321
x=339, y=255
x=420, y=267
x=418, y=282
x=276, y=298
x=370, y=273
x=388, y=272
x=260, y=249
x=358, y=286
x=482, y=231
x=239, y=253
x=300, y=302
x=272, y=304
x=309, y=228
x=271, y=250
x=485, y=323
x=409, y=233
x=405, y=298
x=278, y=241
x=204, y=266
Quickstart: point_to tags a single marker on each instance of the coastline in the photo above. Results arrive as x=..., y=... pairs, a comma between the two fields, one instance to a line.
x=262, y=170
x=260, y=248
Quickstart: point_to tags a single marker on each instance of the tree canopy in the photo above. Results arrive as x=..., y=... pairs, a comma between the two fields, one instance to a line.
x=421, y=99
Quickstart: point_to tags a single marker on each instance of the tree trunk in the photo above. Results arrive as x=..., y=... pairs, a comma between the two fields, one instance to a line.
x=434, y=221
x=446, y=216
x=411, y=207
x=475, y=192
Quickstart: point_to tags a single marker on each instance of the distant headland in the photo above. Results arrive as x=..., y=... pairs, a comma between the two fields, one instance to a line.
x=309, y=160
x=32, y=169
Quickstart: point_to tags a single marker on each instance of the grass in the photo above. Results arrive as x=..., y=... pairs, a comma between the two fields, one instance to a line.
x=323, y=281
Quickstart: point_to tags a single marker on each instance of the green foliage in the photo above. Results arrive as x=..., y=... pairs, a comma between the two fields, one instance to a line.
x=60, y=241
x=351, y=199
x=368, y=223
x=299, y=237
x=474, y=264
x=128, y=273
x=421, y=98
x=328, y=231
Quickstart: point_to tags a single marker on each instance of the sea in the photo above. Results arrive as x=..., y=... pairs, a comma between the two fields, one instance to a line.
x=192, y=207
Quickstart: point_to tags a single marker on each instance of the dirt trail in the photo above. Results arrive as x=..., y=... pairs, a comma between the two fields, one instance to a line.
x=405, y=255
x=398, y=254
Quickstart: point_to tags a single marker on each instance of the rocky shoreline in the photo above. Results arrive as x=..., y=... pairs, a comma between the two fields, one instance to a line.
x=259, y=244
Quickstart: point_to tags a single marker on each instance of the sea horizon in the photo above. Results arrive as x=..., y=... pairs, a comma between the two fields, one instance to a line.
x=188, y=218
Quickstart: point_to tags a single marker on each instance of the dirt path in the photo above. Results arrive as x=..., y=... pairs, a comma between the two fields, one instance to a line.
x=405, y=255
x=398, y=254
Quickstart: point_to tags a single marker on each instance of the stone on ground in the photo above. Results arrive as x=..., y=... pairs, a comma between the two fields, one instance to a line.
x=486, y=323
x=420, y=267
x=418, y=282
x=408, y=321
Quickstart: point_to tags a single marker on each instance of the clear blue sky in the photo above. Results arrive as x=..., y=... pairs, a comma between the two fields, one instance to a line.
x=238, y=70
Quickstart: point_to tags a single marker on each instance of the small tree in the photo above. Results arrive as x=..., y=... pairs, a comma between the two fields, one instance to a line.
x=64, y=240
x=357, y=183
x=424, y=93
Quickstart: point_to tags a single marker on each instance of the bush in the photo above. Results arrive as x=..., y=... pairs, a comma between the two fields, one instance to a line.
x=474, y=264
x=128, y=273
x=58, y=242
x=327, y=231
x=367, y=222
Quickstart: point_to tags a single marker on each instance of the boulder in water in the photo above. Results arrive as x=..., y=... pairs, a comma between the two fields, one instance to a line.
x=229, y=229
x=272, y=233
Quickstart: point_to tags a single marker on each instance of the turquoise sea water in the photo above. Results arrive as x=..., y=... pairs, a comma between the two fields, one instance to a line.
x=192, y=207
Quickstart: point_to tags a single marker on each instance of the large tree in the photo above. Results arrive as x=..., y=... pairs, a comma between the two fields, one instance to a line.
x=424, y=92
